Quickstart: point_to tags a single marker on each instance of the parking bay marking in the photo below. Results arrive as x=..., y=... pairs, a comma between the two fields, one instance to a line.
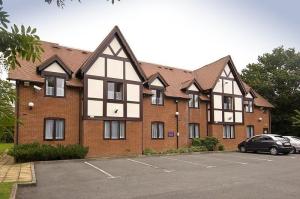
x=253, y=158
x=106, y=173
x=189, y=162
x=242, y=163
x=149, y=165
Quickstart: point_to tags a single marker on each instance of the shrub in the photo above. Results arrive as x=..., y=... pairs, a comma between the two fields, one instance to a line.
x=210, y=143
x=221, y=147
x=197, y=141
x=198, y=148
x=184, y=150
x=148, y=151
x=41, y=152
x=172, y=151
x=7, y=137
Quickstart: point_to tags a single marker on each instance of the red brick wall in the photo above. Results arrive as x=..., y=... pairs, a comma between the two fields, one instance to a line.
x=32, y=121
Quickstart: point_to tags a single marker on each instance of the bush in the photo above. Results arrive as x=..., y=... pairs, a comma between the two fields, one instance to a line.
x=198, y=148
x=41, y=152
x=221, y=147
x=7, y=137
x=209, y=142
x=148, y=151
x=172, y=151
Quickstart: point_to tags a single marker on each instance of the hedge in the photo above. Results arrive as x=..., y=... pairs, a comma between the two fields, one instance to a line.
x=41, y=152
x=209, y=142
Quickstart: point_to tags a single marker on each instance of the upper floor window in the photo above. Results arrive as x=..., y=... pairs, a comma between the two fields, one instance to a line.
x=114, y=130
x=250, y=131
x=227, y=103
x=55, y=86
x=194, y=131
x=249, y=106
x=157, y=130
x=54, y=129
x=114, y=91
x=194, y=101
x=157, y=97
x=228, y=132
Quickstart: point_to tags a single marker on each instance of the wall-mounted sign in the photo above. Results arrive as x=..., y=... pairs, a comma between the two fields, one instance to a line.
x=171, y=134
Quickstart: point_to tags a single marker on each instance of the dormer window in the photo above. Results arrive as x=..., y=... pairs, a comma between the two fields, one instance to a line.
x=249, y=106
x=114, y=91
x=194, y=101
x=55, y=86
x=157, y=97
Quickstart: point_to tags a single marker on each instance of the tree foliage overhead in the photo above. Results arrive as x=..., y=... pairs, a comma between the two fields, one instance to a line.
x=276, y=76
x=296, y=118
x=17, y=42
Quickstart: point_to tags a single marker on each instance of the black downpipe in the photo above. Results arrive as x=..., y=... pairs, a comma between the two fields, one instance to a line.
x=177, y=128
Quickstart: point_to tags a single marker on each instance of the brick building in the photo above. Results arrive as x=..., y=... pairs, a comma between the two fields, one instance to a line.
x=116, y=105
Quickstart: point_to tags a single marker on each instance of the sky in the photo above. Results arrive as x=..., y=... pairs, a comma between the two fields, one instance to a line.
x=180, y=33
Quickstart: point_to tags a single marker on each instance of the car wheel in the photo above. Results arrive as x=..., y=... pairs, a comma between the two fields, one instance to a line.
x=293, y=150
x=243, y=149
x=273, y=151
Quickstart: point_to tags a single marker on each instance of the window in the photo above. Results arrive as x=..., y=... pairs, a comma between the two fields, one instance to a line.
x=250, y=131
x=55, y=86
x=249, y=106
x=194, y=101
x=227, y=103
x=54, y=129
x=157, y=130
x=157, y=97
x=228, y=132
x=114, y=91
x=114, y=130
x=194, y=131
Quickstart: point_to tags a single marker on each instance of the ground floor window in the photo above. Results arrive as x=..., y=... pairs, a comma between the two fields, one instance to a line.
x=228, y=132
x=250, y=131
x=114, y=130
x=54, y=129
x=157, y=130
x=194, y=131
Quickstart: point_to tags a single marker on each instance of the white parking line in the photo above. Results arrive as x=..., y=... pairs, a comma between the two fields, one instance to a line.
x=106, y=173
x=252, y=158
x=149, y=165
x=236, y=162
x=189, y=162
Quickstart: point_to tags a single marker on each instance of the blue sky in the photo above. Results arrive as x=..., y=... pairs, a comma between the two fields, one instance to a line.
x=180, y=33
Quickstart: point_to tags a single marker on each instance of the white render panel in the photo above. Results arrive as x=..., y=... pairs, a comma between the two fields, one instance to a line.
x=157, y=82
x=236, y=89
x=122, y=54
x=231, y=75
x=223, y=74
x=193, y=88
x=115, y=45
x=95, y=108
x=95, y=88
x=218, y=101
x=115, y=110
x=98, y=68
x=55, y=67
x=115, y=68
x=238, y=117
x=227, y=86
x=227, y=69
x=133, y=92
x=228, y=116
x=218, y=87
x=107, y=51
x=133, y=110
x=130, y=73
x=249, y=96
x=238, y=103
x=218, y=116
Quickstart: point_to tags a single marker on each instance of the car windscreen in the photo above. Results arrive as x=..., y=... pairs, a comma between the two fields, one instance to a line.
x=280, y=138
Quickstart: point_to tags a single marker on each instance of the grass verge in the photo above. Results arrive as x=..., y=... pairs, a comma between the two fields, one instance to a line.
x=4, y=146
x=5, y=189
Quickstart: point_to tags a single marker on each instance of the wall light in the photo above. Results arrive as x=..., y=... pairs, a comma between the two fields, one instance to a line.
x=30, y=105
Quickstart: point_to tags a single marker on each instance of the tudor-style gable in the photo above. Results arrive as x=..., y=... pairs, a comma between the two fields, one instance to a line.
x=112, y=80
x=227, y=96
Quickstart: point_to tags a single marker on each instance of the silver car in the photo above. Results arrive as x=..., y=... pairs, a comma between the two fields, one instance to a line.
x=295, y=142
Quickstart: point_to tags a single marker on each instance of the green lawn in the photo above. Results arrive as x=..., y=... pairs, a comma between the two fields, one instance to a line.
x=5, y=189
x=4, y=146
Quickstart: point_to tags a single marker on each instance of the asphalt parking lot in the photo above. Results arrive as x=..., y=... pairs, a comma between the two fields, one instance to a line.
x=205, y=175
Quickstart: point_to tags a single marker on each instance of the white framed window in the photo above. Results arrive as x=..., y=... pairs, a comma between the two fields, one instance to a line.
x=157, y=130
x=54, y=129
x=194, y=130
x=194, y=101
x=250, y=131
x=228, y=132
x=114, y=130
x=54, y=86
x=249, y=106
x=157, y=97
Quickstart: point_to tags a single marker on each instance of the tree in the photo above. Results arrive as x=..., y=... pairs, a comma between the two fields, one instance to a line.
x=276, y=76
x=7, y=114
x=296, y=118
